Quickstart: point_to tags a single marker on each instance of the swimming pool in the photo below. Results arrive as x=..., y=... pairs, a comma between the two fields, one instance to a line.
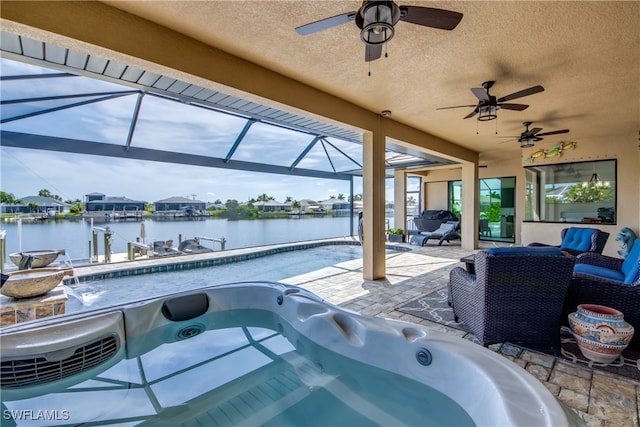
x=258, y=354
x=130, y=286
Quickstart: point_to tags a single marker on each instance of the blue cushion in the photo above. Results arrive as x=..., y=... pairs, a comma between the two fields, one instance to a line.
x=578, y=239
x=631, y=264
x=525, y=250
x=594, y=270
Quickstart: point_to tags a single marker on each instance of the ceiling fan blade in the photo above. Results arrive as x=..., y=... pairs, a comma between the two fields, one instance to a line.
x=516, y=107
x=457, y=106
x=325, y=23
x=555, y=132
x=430, y=17
x=480, y=93
x=371, y=53
x=471, y=114
x=521, y=93
x=533, y=131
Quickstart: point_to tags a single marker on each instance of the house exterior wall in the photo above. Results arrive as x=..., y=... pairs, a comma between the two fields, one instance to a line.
x=625, y=152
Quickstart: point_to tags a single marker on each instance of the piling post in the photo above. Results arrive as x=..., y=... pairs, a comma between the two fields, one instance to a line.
x=222, y=243
x=3, y=249
x=107, y=245
x=94, y=238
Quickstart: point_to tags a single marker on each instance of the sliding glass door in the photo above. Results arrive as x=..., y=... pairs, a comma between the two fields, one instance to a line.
x=497, y=207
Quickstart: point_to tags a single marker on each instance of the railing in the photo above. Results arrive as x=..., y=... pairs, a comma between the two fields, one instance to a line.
x=108, y=239
x=137, y=249
x=221, y=240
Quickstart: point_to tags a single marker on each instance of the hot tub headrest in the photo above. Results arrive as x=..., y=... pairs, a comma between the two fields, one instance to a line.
x=185, y=307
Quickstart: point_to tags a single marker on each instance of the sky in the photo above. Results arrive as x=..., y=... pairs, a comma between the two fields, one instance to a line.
x=161, y=125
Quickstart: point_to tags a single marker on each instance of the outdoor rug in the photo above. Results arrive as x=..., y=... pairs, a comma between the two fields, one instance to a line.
x=434, y=307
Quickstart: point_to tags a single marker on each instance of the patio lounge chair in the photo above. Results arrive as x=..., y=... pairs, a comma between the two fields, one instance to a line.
x=577, y=240
x=430, y=220
x=447, y=231
x=609, y=281
x=517, y=295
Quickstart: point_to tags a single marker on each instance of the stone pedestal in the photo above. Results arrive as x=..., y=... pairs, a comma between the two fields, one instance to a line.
x=14, y=311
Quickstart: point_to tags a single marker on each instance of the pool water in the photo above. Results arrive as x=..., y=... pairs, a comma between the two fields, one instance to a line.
x=242, y=369
x=109, y=292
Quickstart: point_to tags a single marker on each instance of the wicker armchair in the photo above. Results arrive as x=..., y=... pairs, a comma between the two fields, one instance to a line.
x=517, y=295
x=613, y=282
x=577, y=240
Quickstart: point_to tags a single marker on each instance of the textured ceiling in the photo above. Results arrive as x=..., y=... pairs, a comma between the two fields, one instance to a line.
x=585, y=54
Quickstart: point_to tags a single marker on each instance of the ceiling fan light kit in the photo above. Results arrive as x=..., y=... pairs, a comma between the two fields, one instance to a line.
x=377, y=20
x=528, y=142
x=487, y=113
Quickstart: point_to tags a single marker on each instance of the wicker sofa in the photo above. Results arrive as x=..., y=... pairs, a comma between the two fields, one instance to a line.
x=609, y=281
x=517, y=295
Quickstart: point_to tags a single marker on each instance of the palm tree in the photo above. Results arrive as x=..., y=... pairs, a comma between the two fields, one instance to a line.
x=46, y=193
x=264, y=197
x=340, y=196
x=8, y=198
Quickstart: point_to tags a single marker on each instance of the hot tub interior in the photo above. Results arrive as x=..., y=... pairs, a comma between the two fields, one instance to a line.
x=235, y=354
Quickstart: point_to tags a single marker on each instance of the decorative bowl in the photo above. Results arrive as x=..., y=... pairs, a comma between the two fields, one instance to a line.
x=31, y=283
x=39, y=259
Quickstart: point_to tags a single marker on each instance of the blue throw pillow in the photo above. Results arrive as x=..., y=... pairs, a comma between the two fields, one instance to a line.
x=578, y=239
x=525, y=250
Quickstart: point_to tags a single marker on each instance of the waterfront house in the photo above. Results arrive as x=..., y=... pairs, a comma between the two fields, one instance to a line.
x=272, y=206
x=179, y=203
x=36, y=204
x=98, y=202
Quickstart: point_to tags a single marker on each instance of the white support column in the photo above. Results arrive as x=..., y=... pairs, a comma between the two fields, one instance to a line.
x=400, y=199
x=470, y=208
x=373, y=179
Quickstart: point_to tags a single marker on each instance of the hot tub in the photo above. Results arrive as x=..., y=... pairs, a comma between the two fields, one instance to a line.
x=258, y=354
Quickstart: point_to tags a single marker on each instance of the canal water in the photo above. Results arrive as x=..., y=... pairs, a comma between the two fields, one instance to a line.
x=74, y=236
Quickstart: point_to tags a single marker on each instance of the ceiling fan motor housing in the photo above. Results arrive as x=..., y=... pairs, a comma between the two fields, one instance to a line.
x=376, y=20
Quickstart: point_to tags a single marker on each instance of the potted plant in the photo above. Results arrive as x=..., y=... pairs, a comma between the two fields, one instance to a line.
x=395, y=235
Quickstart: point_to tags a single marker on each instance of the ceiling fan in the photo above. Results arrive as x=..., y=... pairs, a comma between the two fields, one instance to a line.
x=529, y=137
x=377, y=20
x=488, y=105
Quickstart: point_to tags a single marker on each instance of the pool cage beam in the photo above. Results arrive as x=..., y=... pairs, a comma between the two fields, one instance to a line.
x=239, y=139
x=114, y=95
x=134, y=120
x=304, y=152
x=68, y=145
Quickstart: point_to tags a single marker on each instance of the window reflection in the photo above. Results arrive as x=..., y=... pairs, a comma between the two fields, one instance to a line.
x=583, y=192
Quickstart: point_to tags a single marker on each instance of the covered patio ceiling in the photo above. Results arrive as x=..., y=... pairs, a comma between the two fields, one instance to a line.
x=585, y=54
